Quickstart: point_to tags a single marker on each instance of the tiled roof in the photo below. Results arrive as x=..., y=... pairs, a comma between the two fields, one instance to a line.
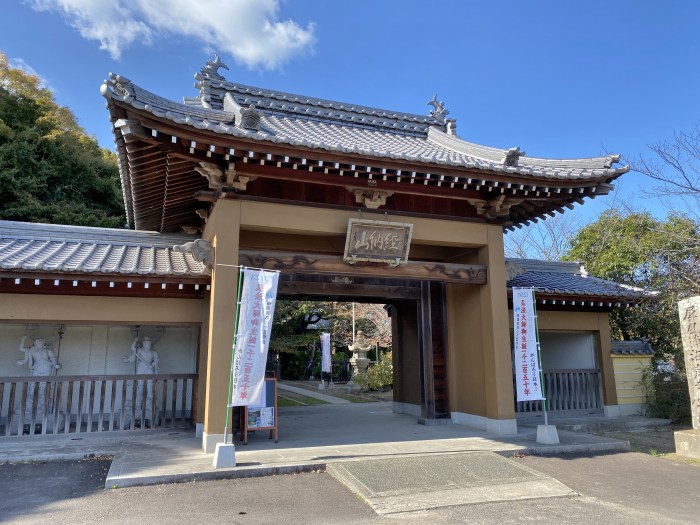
x=568, y=279
x=634, y=347
x=347, y=128
x=80, y=249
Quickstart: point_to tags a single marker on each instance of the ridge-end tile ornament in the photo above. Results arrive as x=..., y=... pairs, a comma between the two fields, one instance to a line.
x=377, y=241
x=250, y=118
x=202, y=251
x=688, y=441
x=122, y=88
x=438, y=107
x=211, y=68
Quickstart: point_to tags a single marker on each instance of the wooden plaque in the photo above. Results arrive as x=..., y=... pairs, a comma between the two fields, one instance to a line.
x=377, y=241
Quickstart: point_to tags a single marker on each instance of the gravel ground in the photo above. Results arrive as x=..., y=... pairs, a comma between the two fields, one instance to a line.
x=654, y=441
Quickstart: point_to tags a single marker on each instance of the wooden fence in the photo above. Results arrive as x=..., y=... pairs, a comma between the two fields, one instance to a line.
x=576, y=389
x=79, y=404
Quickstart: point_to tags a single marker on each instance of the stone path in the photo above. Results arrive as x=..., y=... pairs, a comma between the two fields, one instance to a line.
x=310, y=393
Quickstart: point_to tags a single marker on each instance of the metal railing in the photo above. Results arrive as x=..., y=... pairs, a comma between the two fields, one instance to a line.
x=95, y=403
x=574, y=389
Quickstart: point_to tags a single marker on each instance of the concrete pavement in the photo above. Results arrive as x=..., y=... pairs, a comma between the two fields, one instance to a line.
x=615, y=488
x=309, y=439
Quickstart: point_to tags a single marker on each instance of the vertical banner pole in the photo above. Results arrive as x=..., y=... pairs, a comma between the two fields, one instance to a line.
x=233, y=349
x=539, y=357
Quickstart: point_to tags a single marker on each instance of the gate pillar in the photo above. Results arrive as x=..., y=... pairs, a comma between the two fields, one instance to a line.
x=223, y=231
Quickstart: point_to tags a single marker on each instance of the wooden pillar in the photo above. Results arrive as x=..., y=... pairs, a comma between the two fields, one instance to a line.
x=426, y=355
x=434, y=393
x=202, y=358
x=223, y=231
x=406, y=357
x=481, y=372
x=498, y=364
x=607, y=369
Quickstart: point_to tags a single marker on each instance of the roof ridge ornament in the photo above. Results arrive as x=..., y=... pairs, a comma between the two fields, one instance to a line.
x=451, y=126
x=211, y=68
x=512, y=156
x=439, y=107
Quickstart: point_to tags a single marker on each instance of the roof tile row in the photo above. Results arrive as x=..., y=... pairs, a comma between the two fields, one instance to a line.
x=72, y=249
x=298, y=121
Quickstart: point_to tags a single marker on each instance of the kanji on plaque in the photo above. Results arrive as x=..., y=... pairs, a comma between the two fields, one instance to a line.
x=253, y=336
x=527, y=368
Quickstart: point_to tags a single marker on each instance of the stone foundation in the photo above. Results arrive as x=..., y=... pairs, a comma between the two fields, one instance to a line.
x=687, y=443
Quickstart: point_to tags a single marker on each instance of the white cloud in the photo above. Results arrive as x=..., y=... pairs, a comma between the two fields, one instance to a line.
x=249, y=30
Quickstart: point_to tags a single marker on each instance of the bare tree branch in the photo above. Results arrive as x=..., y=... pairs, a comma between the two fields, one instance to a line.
x=677, y=165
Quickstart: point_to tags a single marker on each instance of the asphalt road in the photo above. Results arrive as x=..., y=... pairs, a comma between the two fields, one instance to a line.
x=625, y=488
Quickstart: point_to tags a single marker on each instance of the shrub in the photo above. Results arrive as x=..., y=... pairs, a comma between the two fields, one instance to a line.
x=666, y=395
x=378, y=377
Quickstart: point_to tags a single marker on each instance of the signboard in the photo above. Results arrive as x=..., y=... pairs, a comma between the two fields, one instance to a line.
x=526, y=358
x=377, y=241
x=253, y=336
x=262, y=416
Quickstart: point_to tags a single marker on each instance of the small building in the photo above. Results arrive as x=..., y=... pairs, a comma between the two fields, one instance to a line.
x=249, y=176
x=577, y=353
x=630, y=359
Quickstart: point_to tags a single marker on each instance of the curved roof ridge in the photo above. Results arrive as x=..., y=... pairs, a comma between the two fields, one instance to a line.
x=348, y=107
x=348, y=133
x=479, y=151
x=537, y=265
x=497, y=155
x=583, y=162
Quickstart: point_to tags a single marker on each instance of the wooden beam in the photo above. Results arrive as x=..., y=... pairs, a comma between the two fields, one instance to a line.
x=335, y=265
x=348, y=290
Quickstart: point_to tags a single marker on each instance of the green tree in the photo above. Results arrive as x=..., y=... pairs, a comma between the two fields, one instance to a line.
x=638, y=250
x=296, y=329
x=50, y=169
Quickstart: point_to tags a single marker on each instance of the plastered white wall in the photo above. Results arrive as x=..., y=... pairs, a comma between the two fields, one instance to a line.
x=567, y=350
x=99, y=349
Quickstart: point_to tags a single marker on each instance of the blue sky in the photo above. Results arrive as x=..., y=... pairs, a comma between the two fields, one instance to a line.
x=559, y=79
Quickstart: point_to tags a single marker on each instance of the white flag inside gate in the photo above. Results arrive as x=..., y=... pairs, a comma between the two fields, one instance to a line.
x=253, y=336
x=527, y=364
x=326, y=352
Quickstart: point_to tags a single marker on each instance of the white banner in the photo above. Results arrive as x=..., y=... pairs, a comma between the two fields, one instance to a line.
x=527, y=366
x=326, y=362
x=253, y=337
